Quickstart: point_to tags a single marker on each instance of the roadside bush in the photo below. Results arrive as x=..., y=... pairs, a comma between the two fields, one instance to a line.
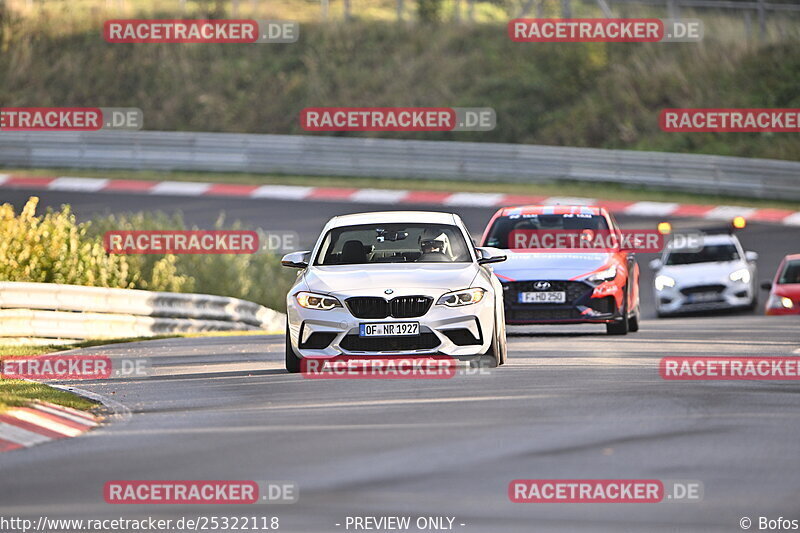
x=55, y=248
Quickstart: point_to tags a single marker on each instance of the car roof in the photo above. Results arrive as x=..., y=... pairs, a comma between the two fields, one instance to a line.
x=720, y=238
x=792, y=257
x=552, y=210
x=394, y=217
x=711, y=240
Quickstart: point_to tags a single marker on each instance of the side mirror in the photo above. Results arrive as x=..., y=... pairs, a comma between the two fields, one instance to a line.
x=751, y=256
x=766, y=285
x=656, y=264
x=296, y=259
x=490, y=255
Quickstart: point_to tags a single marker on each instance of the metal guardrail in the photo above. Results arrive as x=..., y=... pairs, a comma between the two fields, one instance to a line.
x=76, y=312
x=384, y=158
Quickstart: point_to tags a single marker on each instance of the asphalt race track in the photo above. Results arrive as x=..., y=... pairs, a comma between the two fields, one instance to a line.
x=572, y=403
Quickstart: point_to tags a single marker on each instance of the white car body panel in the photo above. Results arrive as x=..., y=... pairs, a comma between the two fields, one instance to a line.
x=693, y=277
x=403, y=279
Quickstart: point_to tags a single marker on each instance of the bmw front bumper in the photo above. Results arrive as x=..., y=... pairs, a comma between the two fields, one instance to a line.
x=460, y=332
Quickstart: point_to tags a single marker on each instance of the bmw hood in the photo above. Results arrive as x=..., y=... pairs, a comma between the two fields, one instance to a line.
x=526, y=266
x=373, y=279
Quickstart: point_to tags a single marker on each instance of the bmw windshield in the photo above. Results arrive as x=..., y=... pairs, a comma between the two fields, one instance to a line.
x=393, y=243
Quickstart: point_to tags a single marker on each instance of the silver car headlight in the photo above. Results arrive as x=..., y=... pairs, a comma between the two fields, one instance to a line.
x=663, y=281
x=462, y=297
x=742, y=275
x=312, y=300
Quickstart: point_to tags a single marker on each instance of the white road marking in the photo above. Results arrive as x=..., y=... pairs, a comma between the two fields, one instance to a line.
x=283, y=192
x=478, y=199
x=180, y=188
x=66, y=183
x=378, y=196
x=792, y=220
x=726, y=212
x=44, y=422
x=56, y=412
x=651, y=208
x=20, y=436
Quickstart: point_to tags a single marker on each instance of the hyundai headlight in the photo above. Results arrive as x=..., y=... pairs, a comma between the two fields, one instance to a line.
x=462, y=297
x=604, y=275
x=663, y=281
x=742, y=275
x=312, y=300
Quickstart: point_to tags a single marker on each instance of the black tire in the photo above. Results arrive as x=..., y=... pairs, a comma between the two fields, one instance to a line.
x=495, y=355
x=292, y=361
x=620, y=327
x=502, y=343
x=633, y=322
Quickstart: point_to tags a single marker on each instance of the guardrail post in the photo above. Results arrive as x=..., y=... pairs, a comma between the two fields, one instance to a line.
x=762, y=20
x=566, y=9
x=672, y=9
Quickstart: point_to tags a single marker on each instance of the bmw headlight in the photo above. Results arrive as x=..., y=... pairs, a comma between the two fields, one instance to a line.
x=604, y=275
x=664, y=281
x=312, y=300
x=742, y=275
x=462, y=297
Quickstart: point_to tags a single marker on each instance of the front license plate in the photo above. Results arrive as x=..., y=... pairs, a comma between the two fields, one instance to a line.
x=704, y=297
x=388, y=329
x=558, y=297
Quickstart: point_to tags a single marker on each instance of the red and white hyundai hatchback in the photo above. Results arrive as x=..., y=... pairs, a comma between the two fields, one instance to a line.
x=564, y=284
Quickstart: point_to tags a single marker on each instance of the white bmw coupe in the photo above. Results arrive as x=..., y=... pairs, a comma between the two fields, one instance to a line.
x=395, y=283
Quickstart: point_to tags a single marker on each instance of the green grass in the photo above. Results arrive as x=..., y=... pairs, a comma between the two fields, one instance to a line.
x=603, y=191
x=18, y=393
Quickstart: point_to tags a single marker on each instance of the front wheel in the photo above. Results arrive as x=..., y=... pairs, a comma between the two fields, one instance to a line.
x=496, y=354
x=633, y=322
x=620, y=327
x=292, y=361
